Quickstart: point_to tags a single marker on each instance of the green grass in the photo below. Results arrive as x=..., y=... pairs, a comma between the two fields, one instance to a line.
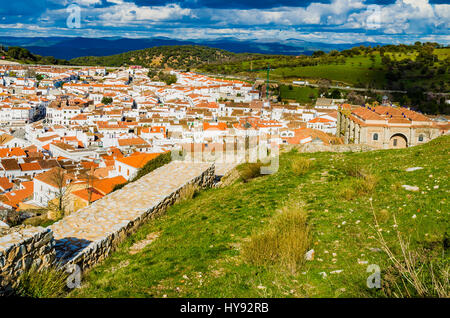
x=199, y=249
x=355, y=70
x=299, y=94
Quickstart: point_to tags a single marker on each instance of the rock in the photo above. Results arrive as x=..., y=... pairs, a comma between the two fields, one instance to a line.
x=309, y=256
x=410, y=188
x=338, y=271
x=261, y=287
x=3, y=225
x=414, y=169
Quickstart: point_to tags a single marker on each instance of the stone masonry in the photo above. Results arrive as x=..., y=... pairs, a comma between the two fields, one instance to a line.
x=90, y=234
x=20, y=250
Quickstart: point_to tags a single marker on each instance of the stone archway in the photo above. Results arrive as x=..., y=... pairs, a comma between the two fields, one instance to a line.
x=398, y=141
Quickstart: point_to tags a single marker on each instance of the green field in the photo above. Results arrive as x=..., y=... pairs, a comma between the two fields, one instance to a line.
x=199, y=251
x=354, y=71
x=299, y=94
x=441, y=53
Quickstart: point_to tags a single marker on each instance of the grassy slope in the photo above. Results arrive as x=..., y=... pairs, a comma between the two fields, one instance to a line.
x=350, y=73
x=201, y=238
x=299, y=94
x=355, y=71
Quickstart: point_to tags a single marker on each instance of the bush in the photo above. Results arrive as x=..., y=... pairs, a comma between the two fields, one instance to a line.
x=413, y=272
x=188, y=192
x=300, y=166
x=248, y=171
x=359, y=187
x=352, y=169
x=284, y=242
x=46, y=283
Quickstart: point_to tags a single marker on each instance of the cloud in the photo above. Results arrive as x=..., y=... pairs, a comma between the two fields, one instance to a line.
x=321, y=20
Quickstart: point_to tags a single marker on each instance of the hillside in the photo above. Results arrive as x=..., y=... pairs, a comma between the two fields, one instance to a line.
x=248, y=239
x=178, y=57
x=72, y=47
x=24, y=56
x=388, y=67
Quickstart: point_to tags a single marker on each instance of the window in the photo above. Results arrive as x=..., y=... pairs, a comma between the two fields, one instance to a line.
x=395, y=142
x=420, y=137
x=375, y=136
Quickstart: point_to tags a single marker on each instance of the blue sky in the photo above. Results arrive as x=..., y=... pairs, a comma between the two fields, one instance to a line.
x=333, y=21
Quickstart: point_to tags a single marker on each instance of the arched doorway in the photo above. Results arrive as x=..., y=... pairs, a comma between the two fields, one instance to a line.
x=398, y=141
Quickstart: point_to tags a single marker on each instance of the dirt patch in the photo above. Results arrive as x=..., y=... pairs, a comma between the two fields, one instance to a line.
x=138, y=246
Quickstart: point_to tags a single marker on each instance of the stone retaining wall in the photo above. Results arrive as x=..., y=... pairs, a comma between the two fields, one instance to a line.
x=311, y=147
x=98, y=250
x=20, y=250
x=89, y=235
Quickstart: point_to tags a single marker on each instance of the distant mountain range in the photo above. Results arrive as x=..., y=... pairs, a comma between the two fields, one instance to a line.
x=71, y=47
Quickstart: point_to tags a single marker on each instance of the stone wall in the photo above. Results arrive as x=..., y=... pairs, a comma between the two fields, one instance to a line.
x=22, y=249
x=89, y=235
x=98, y=250
x=311, y=147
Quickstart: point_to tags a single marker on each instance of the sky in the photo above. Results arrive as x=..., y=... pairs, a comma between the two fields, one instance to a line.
x=329, y=21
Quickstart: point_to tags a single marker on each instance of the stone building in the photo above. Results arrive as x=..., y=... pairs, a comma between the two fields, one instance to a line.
x=385, y=126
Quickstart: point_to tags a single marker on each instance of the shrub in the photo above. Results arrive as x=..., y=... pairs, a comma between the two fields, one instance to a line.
x=365, y=185
x=188, y=192
x=284, y=242
x=248, y=171
x=359, y=187
x=353, y=169
x=414, y=272
x=45, y=283
x=300, y=166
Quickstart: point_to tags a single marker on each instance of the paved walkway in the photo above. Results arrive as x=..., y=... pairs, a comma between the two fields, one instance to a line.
x=115, y=211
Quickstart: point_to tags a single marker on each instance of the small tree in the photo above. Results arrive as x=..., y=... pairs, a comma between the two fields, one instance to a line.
x=61, y=181
x=107, y=100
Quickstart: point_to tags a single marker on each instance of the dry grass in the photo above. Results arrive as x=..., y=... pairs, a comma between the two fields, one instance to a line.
x=300, y=166
x=188, y=192
x=359, y=186
x=248, y=171
x=45, y=283
x=284, y=242
x=413, y=273
x=353, y=169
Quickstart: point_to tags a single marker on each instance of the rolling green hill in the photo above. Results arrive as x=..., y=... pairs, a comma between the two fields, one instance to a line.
x=249, y=239
x=388, y=67
x=24, y=56
x=178, y=56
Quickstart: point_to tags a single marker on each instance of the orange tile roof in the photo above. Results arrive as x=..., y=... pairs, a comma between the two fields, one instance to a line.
x=84, y=194
x=105, y=186
x=216, y=126
x=138, y=161
x=32, y=166
x=132, y=142
x=5, y=184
